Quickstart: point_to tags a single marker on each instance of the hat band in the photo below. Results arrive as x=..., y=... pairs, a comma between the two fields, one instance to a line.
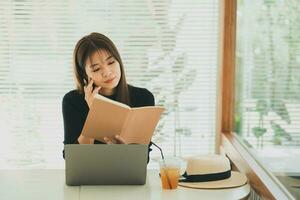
x=206, y=177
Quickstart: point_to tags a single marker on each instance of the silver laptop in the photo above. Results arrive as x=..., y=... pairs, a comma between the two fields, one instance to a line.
x=101, y=164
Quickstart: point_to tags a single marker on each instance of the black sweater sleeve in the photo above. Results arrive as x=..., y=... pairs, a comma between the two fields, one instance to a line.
x=73, y=117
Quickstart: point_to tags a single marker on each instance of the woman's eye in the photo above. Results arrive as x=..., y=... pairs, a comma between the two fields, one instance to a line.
x=96, y=70
x=112, y=62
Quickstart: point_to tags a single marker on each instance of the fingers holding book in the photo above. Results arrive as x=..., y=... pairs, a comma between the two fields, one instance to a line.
x=120, y=139
x=117, y=140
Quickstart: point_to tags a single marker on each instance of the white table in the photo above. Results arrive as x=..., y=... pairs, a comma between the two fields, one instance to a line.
x=50, y=184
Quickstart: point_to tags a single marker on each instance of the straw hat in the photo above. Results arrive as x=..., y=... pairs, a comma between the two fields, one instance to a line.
x=211, y=172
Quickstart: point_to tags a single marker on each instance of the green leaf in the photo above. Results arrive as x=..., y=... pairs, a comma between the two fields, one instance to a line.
x=280, y=132
x=278, y=106
x=258, y=131
x=262, y=107
x=277, y=140
x=238, y=123
x=184, y=131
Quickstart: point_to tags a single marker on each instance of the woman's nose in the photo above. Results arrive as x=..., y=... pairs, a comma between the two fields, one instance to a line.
x=106, y=72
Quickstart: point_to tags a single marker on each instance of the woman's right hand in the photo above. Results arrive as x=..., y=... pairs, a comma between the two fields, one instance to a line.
x=90, y=91
x=118, y=140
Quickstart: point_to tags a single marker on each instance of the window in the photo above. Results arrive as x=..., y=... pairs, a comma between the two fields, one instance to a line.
x=168, y=47
x=268, y=84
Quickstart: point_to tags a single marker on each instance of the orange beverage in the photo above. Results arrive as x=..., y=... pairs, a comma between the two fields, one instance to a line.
x=169, y=177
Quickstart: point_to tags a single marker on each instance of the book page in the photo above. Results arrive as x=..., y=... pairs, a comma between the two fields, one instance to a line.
x=141, y=124
x=100, y=97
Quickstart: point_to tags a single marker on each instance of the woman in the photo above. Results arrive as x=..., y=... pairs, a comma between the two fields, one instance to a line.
x=98, y=68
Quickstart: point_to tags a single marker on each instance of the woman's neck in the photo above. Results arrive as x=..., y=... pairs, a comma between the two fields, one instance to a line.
x=107, y=92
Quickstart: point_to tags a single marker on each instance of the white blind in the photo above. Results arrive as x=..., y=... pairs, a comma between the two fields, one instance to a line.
x=169, y=47
x=268, y=71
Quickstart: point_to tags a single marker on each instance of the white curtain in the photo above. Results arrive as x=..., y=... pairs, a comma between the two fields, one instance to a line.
x=169, y=47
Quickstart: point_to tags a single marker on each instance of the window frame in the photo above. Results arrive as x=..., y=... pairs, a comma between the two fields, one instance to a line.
x=264, y=183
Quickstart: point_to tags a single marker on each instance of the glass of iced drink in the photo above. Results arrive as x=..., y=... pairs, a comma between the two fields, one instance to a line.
x=169, y=172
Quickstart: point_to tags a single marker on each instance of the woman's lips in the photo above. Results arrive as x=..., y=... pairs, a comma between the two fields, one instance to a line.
x=109, y=80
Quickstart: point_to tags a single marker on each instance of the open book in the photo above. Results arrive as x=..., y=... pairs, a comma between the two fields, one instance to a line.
x=108, y=118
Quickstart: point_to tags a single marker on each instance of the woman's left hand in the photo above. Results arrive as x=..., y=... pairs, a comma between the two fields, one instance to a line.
x=118, y=140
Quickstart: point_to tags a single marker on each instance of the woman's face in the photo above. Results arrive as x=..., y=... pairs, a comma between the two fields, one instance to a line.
x=104, y=69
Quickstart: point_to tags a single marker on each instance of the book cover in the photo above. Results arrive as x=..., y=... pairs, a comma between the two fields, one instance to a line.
x=107, y=118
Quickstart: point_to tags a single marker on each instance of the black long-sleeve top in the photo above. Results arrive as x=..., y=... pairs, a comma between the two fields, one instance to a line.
x=75, y=111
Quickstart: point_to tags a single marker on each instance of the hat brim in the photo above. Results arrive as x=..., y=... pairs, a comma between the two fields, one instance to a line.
x=236, y=180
